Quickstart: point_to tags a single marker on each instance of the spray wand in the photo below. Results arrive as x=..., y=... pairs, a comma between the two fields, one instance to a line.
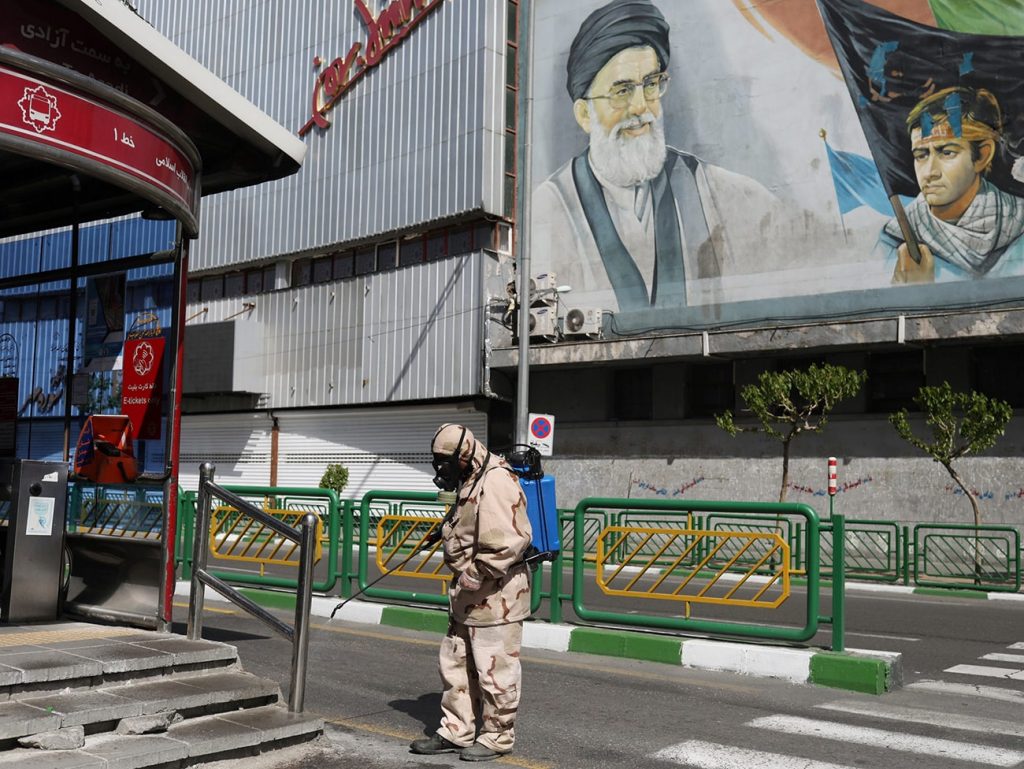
x=447, y=498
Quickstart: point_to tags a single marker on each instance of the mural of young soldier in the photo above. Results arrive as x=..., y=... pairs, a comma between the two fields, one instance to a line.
x=960, y=216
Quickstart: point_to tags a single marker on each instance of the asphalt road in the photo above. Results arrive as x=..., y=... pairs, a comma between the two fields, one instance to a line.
x=378, y=689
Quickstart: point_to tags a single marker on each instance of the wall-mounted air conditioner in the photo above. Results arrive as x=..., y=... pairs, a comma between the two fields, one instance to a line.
x=583, y=322
x=543, y=324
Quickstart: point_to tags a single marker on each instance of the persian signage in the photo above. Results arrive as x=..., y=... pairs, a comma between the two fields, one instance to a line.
x=384, y=32
x=37, y=111
x=142, y=389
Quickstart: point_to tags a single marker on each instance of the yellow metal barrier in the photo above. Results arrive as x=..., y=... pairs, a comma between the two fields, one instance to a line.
x=397, y=535
x=130, y=518
x=734, y=568
x=236, y=537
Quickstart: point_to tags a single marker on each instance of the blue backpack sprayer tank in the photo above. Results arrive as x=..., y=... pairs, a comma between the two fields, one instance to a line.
x=539, y=490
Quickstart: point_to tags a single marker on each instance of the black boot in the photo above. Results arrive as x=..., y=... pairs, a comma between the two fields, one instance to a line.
x=432, y=745
x=479, y=752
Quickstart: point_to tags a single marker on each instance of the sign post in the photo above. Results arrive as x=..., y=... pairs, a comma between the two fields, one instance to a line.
x=831, y=484
x=542, y=433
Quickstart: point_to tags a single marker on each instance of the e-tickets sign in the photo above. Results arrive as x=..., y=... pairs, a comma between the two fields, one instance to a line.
x=384, y=32
x=142, y=388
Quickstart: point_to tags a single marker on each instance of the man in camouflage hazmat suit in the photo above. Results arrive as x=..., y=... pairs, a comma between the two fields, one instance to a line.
x=485, y=538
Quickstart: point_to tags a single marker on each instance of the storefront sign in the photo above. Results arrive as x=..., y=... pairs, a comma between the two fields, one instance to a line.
x=384, y=32
x=142, y=389
x=40, y=112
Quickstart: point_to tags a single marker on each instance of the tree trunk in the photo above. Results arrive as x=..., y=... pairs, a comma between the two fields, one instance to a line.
x=977, y=521
x=785, y=470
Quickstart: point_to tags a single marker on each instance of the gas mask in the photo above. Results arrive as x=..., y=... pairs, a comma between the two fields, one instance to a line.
x=448, y=473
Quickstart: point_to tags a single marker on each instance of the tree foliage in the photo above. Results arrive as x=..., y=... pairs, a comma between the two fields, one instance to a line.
x=961, y=424
x=788, y=403
x=335, y=477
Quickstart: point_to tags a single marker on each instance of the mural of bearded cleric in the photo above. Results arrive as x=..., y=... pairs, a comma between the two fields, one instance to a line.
x=630, y=222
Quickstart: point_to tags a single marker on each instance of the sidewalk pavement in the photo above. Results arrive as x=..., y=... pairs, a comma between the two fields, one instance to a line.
x=871, y=672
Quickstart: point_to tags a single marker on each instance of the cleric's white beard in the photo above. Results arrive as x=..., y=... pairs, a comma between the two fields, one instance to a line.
x=626, y=161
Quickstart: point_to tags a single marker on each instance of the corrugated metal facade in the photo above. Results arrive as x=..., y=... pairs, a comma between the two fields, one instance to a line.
x=382, y=448
x=419, y=138
x=409, y=334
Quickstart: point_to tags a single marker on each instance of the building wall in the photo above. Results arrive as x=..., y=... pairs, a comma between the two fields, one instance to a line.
x=418, y=139
x=409, y=334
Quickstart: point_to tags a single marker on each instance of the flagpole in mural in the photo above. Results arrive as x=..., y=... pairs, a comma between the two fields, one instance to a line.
x=943, y=115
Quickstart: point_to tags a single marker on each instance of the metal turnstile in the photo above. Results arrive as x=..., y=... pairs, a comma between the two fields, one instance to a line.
x=32, y=550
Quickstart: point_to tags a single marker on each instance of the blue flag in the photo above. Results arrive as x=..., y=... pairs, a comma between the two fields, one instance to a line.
x=857, y=182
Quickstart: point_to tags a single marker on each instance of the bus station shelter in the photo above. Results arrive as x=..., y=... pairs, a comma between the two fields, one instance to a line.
x=102, y=117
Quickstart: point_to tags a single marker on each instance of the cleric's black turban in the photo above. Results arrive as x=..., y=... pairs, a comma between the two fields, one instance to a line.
x=612, y=28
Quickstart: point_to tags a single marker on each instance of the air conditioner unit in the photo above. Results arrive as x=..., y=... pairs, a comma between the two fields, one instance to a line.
x=543, y=324
x=584, y=321
x=545, y=281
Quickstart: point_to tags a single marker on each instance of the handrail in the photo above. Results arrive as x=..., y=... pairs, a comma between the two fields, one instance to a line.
x=201, y=578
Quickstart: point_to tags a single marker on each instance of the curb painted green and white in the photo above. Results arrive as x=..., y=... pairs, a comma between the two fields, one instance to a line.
x=870, y=672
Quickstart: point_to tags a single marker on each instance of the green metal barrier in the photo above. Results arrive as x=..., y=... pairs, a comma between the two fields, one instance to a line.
x=812, y=530
x=967, y=557
x=323, y=501
x=411, y=504
x=874, y=551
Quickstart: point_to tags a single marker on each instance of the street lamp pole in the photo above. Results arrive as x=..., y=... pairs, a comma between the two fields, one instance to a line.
x=523, y=239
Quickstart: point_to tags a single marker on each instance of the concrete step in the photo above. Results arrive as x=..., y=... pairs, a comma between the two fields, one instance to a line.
x=38, y=661
x=99, y=709
x=196, y=740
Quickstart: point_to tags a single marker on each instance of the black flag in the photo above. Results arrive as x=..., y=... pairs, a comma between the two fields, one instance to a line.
x=890, y=64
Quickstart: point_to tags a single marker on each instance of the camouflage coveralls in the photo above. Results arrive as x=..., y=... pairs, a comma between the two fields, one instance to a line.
x=479, y=659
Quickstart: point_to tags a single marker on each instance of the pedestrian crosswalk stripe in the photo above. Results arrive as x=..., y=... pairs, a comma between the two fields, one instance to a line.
x=913, y=715
x=997, y=657
x=1018, y=645
x=879, y=738
x=709, y=755
x=971, y=690
x=987, y=671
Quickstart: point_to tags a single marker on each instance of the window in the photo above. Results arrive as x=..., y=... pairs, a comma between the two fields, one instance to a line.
x=212, y=288
x=192, y=291
x=366, y=260
x=344, y=265
x=483, y=236
x=411, y=253
x=234, y=284
x=437, y=246
x=323, y=269
x=709, y=389
x=460, y=241
x=254, y=281
x=894, y=379
x=302, y=273
x=387, y=256
x=633, y=394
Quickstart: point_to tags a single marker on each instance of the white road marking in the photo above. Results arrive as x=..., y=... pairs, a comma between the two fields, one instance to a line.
x=987, y=671
x=1018, y=645
x=709, y=755
x=913, y=715
x=879, y=738
x=884, y=636
x=1017, y=658
x=972, y=690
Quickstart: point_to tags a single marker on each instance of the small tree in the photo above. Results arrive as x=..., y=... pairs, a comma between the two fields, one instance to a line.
x=788, y=403
x=335, y=477
x=961, y=424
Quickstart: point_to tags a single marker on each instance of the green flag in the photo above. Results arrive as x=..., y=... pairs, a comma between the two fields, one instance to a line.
x=980, y=17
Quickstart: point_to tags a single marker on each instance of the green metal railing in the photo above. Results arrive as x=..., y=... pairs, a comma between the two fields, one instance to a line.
x=812, y=527
x=605, y=542
x=967, y=557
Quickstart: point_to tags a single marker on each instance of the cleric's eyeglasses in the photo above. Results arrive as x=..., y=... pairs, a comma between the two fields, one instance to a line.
x=621, y=94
